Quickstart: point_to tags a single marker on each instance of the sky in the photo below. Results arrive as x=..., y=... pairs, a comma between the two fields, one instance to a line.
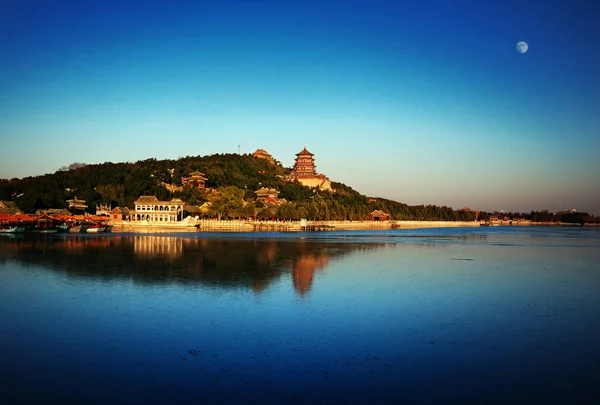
x=423, y=102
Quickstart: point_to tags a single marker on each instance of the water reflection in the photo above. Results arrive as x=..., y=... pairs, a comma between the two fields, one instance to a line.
x=218, y=263
x=509, y=316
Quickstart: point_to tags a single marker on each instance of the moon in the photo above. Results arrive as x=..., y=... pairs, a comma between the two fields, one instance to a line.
x=522, y=46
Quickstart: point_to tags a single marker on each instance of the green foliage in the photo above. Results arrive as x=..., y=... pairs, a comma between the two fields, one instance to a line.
x=232, y=180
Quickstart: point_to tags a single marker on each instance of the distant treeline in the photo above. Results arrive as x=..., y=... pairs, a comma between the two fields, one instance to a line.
x=545, y=216
x=231, y=185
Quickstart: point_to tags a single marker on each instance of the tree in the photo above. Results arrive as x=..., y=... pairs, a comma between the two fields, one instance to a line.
x=226, y=202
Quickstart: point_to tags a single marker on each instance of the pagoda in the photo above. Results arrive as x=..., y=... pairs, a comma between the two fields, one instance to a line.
x=195, y=179
x=263, y=154
x=76, y=205
x=305, y=171
x=268, y=196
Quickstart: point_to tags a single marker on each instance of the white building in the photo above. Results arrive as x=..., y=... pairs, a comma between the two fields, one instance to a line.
x=151, y=209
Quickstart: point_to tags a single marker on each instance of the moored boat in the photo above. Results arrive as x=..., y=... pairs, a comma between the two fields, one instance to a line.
x=13, y=229
x=96, y=228
x=78, y=228
x=46, y=230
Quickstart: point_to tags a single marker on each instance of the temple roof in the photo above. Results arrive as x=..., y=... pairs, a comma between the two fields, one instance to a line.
x=261, y=152
x=75, y=203
x=196, y=173
x=304, y=152
x=264, y=190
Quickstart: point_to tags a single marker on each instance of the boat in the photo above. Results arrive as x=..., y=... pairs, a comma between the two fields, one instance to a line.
x=96, y=228
x=78, y=228
x=13, y=229
x=108, y=228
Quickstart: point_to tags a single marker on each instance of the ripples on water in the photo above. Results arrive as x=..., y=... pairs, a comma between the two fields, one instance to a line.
x=491, y=315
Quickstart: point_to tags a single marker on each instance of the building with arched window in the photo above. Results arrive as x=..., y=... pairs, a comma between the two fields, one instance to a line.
x=151, y=209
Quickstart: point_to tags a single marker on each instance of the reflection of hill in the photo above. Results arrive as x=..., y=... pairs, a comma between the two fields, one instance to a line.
x=225, y=263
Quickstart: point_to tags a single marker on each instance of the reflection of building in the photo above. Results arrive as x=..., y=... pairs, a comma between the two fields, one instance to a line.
x=268, y=196
x=76, y=205
x=304, y=268
x=263, y=154
x=158, y=246
x=149, y=208
x=195, y=179
x=305, y=171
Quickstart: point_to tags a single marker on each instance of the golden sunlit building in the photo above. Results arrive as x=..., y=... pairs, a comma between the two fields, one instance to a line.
x=305, y=171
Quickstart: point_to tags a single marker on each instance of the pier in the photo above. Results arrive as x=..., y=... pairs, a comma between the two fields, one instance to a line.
x=317, y=227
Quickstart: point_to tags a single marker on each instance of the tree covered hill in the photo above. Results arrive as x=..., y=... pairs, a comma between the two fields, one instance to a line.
x=120, y=184
x=232, y=181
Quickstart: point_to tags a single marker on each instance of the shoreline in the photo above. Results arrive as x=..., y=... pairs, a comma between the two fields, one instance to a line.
x=210, y=225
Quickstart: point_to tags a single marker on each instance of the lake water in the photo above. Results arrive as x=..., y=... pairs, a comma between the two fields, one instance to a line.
x=492, y=315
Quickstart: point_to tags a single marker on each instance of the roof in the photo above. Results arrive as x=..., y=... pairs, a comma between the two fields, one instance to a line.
x=378, y=213
x=10, y=210
x=54, y=211
x=261, y=152
x=264, y=190
x=8, y=204
x=304, y=152
x=192, y=208
x=196, y=173
x=272, y=200
x=146, y=199
x=152, y=199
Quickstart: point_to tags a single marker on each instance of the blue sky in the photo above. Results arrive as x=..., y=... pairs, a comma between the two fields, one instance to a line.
x=424, y=102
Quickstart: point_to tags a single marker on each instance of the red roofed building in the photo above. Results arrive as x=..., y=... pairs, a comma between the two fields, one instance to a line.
x=120, y=214
x=268, y=196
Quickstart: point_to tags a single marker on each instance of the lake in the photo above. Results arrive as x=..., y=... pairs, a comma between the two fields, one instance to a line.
x=491, y=315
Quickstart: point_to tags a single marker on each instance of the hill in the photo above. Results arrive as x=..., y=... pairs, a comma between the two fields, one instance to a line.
x=232, y=180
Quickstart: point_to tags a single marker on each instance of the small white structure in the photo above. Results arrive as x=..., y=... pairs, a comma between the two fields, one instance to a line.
x=151, y=209
x=103, y=209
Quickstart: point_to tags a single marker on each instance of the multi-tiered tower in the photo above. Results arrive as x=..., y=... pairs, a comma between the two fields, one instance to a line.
x=305, y=171
x=304, y=165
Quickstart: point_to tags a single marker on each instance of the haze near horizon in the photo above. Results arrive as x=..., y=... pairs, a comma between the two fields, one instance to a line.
x=420, y=102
